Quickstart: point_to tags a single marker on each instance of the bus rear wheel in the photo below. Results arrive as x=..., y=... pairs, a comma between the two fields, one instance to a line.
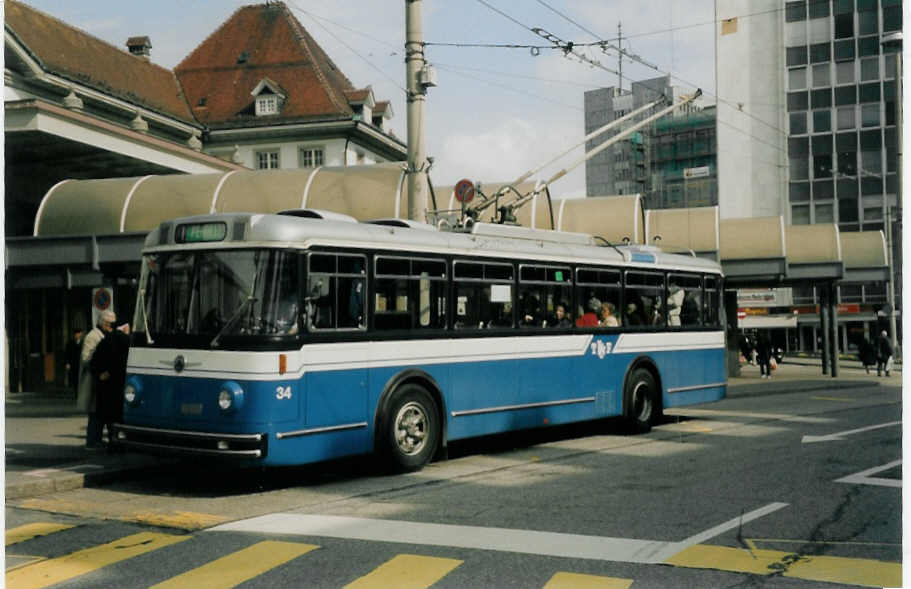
x=641, y=400
x=411, y=430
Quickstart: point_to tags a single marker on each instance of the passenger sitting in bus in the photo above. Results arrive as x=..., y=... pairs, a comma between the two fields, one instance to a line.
x=531, y=317
x=608, y=319
x=561, y=318
x=674, y=304
x=590, y=317
x=633, y=317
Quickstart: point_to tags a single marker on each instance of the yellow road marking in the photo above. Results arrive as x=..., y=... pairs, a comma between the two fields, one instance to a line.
x=577, y=581
x=29, y=531
x=184, y=520
x=831, y=569
x=58, y=570
x=16, y=561
x=842, y=399
x=243, y=565
x=406, y=571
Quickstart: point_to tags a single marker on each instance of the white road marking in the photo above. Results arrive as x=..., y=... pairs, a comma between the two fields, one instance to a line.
x=482, y=538
x=864, y=478
x=841, y=435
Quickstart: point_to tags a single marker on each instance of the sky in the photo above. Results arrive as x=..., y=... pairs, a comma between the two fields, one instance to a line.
x=496, y=112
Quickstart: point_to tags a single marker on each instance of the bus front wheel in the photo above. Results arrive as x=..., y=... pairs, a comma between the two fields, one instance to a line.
x=411, y=430
x=641, y=400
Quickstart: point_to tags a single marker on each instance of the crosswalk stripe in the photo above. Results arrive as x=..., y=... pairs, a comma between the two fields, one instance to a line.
x=243, y=565
x=831, y=569
x=406, y=571
x=64, y=568
x=29, y=531
x=578, y=581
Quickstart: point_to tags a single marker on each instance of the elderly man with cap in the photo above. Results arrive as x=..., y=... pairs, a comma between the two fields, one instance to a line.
x=86, y=399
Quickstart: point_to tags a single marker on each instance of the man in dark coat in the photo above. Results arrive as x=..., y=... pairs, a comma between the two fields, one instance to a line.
x=73, y=351
x=883, y=353
x=109, y=370
x=867, y=354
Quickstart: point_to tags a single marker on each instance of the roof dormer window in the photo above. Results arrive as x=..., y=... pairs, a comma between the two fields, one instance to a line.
x=266, y=104
x=269, y=98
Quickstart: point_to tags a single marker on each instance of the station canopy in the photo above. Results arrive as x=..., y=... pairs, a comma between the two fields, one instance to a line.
x=758, y=251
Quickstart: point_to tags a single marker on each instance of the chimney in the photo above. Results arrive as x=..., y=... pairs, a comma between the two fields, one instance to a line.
x=140, y=47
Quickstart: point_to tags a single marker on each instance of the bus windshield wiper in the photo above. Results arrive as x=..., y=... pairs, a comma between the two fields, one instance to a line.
x=145, y=317
x=234, y=317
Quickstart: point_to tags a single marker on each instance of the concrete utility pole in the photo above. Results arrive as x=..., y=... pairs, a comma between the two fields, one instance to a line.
x=418, y=79
x=894, y=42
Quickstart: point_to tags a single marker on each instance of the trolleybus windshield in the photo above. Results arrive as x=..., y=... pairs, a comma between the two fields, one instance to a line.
x=206, y=299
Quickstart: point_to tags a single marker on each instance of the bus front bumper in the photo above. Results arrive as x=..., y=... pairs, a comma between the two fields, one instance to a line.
x=181, y=442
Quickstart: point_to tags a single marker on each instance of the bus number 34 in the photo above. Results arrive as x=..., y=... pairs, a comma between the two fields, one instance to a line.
x=600, y=349
x=283, y=392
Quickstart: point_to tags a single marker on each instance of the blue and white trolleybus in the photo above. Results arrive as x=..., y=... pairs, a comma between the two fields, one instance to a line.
x=281, y=339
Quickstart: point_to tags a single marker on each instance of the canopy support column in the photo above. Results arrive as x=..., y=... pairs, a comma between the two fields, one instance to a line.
x=823, y=294
x=833, y=326
x=733, y=333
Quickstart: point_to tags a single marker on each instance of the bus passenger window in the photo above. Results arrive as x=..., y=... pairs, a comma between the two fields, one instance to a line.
x=712, y=302
x=336, y=292
x=410, y=293
x=598, y=296
x=644, y=297
x=541, y=290
x=484, y=295
x=686, y=292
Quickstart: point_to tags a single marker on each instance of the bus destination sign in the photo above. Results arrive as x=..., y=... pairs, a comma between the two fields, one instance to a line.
x=200, y=232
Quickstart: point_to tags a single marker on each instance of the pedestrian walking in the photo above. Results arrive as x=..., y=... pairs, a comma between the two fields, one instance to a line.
x=764, y=355
x=86, y=398
x=73, y=350
x=883, y=354
x=867, y=354
x=109, y=369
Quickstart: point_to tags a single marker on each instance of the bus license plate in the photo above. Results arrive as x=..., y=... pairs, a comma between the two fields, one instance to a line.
x=191, y=409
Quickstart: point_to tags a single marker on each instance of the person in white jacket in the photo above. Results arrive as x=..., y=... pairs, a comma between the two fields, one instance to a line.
x=86, y=398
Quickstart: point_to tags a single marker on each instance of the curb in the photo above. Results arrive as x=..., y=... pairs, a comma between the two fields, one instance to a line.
x=69, y=478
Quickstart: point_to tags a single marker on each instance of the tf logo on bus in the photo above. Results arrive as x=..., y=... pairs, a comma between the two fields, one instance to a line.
x=601, y=349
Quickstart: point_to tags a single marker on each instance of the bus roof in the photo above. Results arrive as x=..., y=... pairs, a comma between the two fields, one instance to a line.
x=483, y=240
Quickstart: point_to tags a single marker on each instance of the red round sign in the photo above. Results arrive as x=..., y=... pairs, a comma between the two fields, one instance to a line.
x=464, y=190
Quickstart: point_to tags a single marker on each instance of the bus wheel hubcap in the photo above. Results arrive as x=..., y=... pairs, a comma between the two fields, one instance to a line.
x=411, y=428
x=642, y=401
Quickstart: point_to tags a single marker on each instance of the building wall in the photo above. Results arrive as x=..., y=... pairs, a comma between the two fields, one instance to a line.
x=684, y=169
x=751, y=131
x=623, y=167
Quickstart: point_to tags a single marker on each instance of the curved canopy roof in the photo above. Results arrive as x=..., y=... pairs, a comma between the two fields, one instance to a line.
x=753, y=251
x=103, y=207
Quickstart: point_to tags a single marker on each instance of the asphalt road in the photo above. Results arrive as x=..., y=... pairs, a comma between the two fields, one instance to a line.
x=787, y=490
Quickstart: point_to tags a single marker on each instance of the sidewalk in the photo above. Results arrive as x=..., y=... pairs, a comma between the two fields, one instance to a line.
x=45, y=434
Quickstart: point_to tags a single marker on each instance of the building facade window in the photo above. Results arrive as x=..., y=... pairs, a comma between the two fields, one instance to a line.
x=267, y=160
x=846, y=117
x=310, y=157
x=820, y=52
x=844, y=72
x=869, y=69
x=797, y=78
x=821, y=75
x=869, y=115
x=798, y=124
x=822, y=121
x=796, y=11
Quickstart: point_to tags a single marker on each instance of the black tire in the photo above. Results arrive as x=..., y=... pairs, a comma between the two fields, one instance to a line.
x=641, y=401
x=411, y=429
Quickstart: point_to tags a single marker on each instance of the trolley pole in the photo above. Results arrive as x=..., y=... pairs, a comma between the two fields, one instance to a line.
x=417, y=90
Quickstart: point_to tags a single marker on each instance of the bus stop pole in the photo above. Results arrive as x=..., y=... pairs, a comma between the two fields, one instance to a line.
x=823, y=293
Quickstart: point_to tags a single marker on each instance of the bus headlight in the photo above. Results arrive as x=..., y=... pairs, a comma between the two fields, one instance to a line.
x=230, y=397
x=132, y=391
